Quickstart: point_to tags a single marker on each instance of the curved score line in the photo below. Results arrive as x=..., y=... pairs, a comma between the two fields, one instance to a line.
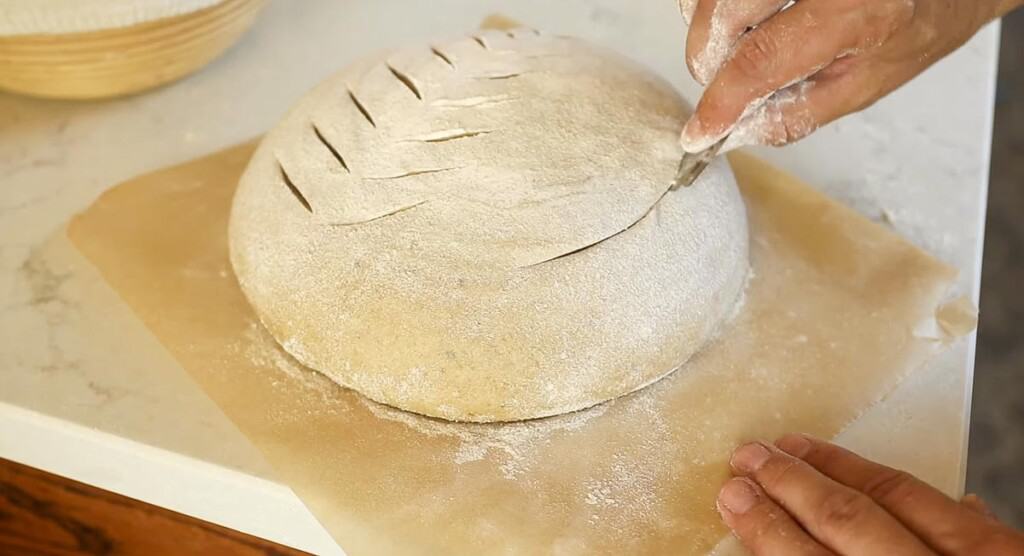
x=602, y=240
x=382, y=216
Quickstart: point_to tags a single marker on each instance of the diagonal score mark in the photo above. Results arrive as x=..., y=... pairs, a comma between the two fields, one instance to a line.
x=447, y=135
x=444, y=57
x=643, y=216
x=295, y=190
x=359, y=106
x=331, y=148
x=412, y=173
x=381, y=217
x=406, y=80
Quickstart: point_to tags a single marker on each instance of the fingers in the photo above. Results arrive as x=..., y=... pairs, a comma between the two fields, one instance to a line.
x=839, y=517
x=761, y=525
x=940, y=521
x=797, y=111
x=788, y=116
x=785, y=49
x=716, y=26
x=1004, y=7
x=974, y=503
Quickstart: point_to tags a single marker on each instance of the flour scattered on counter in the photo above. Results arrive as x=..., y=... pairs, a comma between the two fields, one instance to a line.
x=262, y=350
x=513, y=443
x=599, y=493
x=617, y=491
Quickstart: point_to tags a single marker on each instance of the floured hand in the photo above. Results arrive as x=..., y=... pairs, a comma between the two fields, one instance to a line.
x=777, y=70
x=804, y=496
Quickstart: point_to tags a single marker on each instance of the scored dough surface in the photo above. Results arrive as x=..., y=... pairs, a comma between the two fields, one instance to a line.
x=481, y=229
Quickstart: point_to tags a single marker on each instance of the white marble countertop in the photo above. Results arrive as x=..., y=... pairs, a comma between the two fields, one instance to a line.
x=75, y=399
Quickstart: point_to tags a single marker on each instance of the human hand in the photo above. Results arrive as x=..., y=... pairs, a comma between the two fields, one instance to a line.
x=805, y=497
x=775, y=75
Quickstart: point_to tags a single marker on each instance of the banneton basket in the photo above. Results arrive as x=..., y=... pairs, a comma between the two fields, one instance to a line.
x=86, y=49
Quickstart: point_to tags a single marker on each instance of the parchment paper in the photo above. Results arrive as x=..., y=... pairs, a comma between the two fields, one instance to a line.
x=837, y=312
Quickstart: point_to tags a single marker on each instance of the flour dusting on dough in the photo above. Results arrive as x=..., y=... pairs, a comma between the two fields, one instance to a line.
x=545, y=270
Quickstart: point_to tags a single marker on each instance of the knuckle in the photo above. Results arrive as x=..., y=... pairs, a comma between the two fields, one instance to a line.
x=777, y=471
x=762, y=522
x=888, y=17
x=927, y=35
x=795, y=129
x=899, y=12
x=842, y=511
x=767, y=524
x=891, y=488
x=823, y=455
x=758, y=55
x=778, y=134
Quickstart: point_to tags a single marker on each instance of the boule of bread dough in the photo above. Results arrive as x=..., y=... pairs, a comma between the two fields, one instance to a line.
x=482, y=229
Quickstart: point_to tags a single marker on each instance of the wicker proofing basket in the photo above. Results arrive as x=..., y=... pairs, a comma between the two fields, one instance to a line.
x=123, y=60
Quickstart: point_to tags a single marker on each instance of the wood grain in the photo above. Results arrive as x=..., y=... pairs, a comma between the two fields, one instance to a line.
x=123, y=60
x=44, y=514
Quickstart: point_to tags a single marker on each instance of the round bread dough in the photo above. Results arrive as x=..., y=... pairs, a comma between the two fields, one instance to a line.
x=482, y=230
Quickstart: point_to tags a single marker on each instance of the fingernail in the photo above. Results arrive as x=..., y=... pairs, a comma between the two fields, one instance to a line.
x=737, y=496
x=750, y=457
x=693, y=132
x=795, y=445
